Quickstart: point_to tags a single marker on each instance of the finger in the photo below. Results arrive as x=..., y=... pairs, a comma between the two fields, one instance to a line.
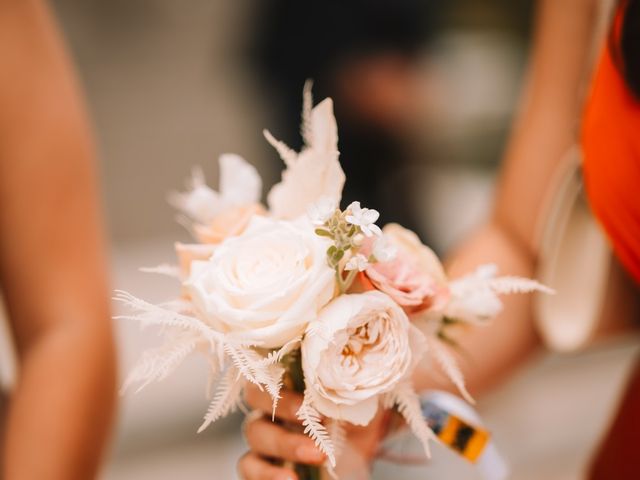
x=272, y=440
x=288, y=404
x=252, y=467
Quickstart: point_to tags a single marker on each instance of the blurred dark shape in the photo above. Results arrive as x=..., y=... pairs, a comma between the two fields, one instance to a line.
x=363, y=54
x=630, y=46
x=617, y=457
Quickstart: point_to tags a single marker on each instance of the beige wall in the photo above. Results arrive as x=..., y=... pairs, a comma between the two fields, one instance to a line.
x=167, y=90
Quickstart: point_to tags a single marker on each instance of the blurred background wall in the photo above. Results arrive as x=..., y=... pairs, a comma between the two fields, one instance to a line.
x=424, y=91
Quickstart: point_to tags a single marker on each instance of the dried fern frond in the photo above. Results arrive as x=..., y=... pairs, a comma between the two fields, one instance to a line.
x=510, y=284
x=288, y=155
x=338, y=437
x=226, y=399
x=172, y=271
x=157, y=315
x=449, y=366
x=307, y=106
x=252, y=366
x=313, y=427
x=157, y=364
x=276, y=356
x=408, y=405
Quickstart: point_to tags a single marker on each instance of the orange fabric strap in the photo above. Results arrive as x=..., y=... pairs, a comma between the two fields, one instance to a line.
x=611, y=146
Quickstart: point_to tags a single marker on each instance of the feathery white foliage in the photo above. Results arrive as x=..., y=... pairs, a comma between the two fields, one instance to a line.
x=163, y=269
x=157, y=364
x=157, y=315
x=226, y=399
x=338, y=436
x=186, y=334
x=313, y=173
x=287, y=154
x=306, y=129
x=275, y=356
x=408, y=403
x=240, y=184
x=449, y=366
x=313, y=427
x=510, y=284
x=474, y=297
x=253, y=367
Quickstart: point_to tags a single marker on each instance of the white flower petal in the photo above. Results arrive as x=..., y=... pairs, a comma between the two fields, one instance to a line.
x=314, y=173
x=322, y=210
x=357, y=262
x=240, y=183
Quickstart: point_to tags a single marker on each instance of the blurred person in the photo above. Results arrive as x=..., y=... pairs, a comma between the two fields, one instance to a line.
x=364, y=54
x=53, y=274
x=544, y=131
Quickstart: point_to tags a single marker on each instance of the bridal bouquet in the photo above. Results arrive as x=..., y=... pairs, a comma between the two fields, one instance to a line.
x=310, y=294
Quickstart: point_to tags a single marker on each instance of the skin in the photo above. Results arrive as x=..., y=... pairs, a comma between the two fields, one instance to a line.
x=52, y=263
x=545, y=129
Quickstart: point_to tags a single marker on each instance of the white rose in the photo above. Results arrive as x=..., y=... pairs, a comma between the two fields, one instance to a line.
x=361, y=346
x=265, y=285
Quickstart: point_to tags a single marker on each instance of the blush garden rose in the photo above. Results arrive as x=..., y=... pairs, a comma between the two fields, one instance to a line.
x=414, y=278
x=360, y=347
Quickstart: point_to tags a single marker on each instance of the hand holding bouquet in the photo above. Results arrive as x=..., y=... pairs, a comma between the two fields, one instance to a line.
x=310, y=294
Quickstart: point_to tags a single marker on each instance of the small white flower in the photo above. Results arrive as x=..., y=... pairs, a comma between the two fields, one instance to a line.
x=365, y=218
x=322, y=210
x=383, y=250
x=358, y=240
x=357, y=262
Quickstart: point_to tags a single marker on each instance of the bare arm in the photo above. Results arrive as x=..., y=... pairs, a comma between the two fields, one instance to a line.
x=52, y=265
x=545, y=129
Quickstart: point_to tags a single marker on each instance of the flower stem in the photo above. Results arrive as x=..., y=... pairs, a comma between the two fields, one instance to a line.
x=294, y=379
x=345, y=283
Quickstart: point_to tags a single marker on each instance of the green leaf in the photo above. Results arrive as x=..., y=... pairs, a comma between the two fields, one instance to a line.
x=323, y=233
x=449, y=321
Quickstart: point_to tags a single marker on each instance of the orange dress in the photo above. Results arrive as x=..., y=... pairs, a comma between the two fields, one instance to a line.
x=611, y=148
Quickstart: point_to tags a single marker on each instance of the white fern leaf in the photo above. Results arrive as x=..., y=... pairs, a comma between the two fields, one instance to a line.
x=157, y=364
x=509, y=284
x=338, y=436
x=214, y=371
x=179, y=306
x=157, y=315
x=388, y=401
x=288, y=155
x=313, y=427
x=226, y=399
x=199, y=203
x=276, y=356
x=163, y=269
x=252, y=366
x=449, y=366
x=409, y=407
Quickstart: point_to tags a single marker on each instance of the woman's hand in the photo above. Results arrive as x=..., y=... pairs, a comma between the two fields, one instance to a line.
x=272, y=444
